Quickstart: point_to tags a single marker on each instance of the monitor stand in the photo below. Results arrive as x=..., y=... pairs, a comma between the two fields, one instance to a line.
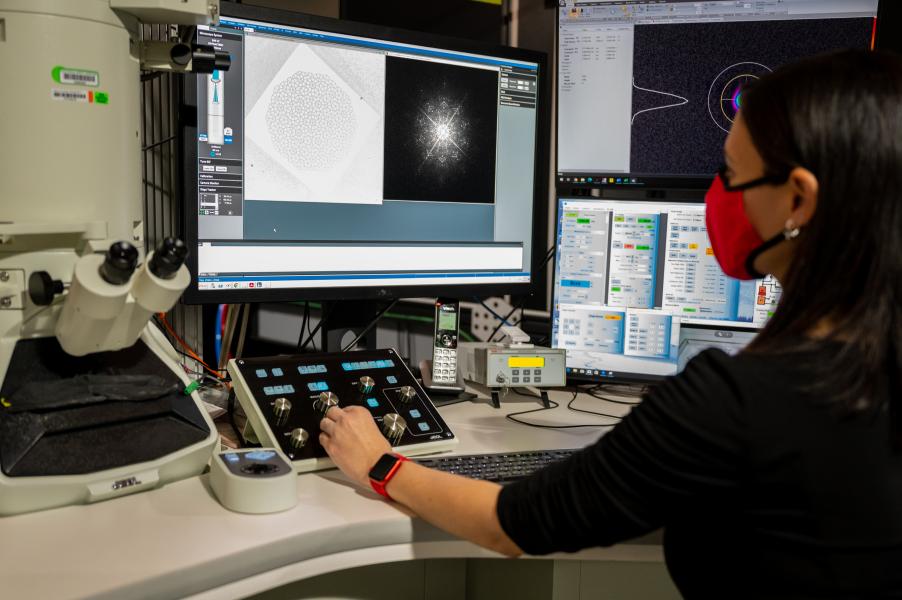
x=343, y=316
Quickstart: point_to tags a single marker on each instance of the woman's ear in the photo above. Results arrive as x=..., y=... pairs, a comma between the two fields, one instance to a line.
x=804, y=187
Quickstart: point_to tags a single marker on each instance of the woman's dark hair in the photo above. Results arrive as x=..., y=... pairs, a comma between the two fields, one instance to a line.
x=840, y=116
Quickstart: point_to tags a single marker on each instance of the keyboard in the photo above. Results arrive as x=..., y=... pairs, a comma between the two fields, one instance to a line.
x=501, y=468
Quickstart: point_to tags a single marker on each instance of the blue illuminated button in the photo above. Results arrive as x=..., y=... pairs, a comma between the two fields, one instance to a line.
x=415, y=414
x=346, y=366
x=261, y=373
x=277, y=372
x=391, y=379
x=260, y=455
x=423, y=426
x=372, y=402
x=320, y=368
x=288, y=389
x=313, y=386
x=303, y=370
x=278, y=389
x=231, y=457
x=269, y=390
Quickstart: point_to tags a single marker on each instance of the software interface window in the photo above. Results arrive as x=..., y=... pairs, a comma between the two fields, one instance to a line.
x=638, y=290
x=650, y=89
x=330, y=159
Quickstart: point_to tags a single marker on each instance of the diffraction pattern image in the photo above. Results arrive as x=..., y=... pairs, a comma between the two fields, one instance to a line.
x=440, y=131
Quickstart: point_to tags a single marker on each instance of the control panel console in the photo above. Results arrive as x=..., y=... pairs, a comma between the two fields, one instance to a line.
x=285, y=398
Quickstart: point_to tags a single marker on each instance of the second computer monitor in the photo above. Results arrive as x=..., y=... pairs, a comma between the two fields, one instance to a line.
x=638, y=291
x=647, y=90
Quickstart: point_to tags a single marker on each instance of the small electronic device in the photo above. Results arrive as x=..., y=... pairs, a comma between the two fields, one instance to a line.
x=499, y=366
x=285, y=398
x=254, y=480
x=444, y=346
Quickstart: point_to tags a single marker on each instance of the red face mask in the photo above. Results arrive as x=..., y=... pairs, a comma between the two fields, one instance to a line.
x=734, y=240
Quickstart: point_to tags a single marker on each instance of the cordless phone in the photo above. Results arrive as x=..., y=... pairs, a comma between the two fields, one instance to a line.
x=444, y=344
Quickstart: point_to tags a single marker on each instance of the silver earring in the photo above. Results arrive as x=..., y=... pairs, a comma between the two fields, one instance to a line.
x=790, y=231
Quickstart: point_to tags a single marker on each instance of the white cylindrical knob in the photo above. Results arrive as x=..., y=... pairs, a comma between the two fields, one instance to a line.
x=281, y=407
x=299, y=437
x=366, y=384
x=393, y=427
x=407, y=393
x=325, y=401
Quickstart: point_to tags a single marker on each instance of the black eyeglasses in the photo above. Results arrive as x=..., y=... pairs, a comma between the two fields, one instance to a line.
x=766, y=180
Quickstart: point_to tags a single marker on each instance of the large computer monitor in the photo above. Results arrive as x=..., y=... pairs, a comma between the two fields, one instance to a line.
x=638, y=291
x=647, y=90
x=339, y=160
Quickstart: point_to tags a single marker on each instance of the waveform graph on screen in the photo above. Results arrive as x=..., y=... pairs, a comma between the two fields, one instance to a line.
x=688, y=82
x=725, y=92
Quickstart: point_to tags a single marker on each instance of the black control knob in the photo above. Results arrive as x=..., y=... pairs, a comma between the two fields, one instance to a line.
x=168, y=258
x=299, y=438
x=366, y=384
x=325, y=401
x=407, y=393
x=393, y=427
x=42, y=288
x=446, y=340
x=281, y=407
x=119, y=263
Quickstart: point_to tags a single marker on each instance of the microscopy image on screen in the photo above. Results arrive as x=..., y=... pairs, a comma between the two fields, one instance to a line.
x=440, y=131
x=314, y=119
x=685, y=98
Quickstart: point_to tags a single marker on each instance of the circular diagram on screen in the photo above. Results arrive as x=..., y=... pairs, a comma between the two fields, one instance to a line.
x=725, y=93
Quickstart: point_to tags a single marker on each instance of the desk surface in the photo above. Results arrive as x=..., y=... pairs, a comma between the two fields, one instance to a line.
x=177, y=540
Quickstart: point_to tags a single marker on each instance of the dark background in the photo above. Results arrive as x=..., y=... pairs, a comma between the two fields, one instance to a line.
x=409, y=85
x=683, y=59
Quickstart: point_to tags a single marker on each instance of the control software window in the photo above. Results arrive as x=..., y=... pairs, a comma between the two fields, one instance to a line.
x=651, y=88
x=384, y=161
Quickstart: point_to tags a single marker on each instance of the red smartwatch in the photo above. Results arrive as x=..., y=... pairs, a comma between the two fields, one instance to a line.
x=386, y=468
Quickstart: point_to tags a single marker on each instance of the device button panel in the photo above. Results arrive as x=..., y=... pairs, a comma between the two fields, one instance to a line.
x=390, y=390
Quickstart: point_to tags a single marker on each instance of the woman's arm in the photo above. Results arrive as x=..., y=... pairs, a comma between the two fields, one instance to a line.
x=461, y=506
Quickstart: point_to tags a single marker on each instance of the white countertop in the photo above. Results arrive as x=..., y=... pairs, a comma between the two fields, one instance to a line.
x=177, y=540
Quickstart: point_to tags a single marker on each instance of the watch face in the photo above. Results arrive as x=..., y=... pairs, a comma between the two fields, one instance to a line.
x=383, y=466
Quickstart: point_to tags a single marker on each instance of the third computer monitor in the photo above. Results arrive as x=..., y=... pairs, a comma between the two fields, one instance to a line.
x=638, y=291
x=647, y=90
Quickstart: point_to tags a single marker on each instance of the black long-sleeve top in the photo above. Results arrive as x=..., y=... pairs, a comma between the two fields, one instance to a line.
x=762, y=489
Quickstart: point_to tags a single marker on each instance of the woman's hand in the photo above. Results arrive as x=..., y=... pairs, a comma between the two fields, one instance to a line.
x=353, y=441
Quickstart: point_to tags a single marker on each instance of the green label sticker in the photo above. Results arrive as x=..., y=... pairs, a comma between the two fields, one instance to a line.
x=67, y=76
x=101, y=98
x=584, y=221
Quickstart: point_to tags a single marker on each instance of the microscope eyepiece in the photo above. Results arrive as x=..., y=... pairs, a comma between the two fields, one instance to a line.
x=168, y=258
x=119, y=263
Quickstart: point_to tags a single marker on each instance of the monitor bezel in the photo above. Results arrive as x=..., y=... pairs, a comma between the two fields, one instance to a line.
x=187, y=171
x=625, y=376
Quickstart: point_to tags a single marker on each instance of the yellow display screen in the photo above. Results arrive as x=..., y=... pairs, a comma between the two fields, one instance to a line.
x=525, y=361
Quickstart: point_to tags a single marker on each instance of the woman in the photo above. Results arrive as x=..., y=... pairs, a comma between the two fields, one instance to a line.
x=777, y=472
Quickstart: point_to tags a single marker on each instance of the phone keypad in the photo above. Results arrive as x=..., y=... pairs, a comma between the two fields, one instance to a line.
x=444, y=365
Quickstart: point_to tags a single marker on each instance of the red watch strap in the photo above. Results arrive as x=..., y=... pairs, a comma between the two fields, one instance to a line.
x=379, y=486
